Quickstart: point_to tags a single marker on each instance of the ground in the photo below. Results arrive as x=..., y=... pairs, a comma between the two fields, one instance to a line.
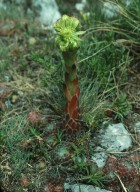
x=35, y=152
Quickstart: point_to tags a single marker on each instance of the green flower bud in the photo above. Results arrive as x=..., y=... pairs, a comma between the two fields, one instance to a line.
x=68, y=34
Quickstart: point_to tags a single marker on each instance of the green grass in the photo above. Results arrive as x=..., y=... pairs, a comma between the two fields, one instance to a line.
x=107, y=52
x=4, y=61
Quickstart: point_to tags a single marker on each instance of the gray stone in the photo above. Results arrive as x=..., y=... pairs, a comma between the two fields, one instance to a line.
x=49, y=13
x=137, y=127
x=110, y=10
x=137, y=130
x=115, y=138
x=81, y=6
x=2, y=6
x=126, y=2
x=99, y=158
x=46, y=9
x=83, y=188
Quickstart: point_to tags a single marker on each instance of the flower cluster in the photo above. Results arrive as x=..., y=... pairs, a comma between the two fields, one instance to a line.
x=68, y=34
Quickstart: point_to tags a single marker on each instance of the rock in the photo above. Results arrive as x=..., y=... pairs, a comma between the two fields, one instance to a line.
x=115, y=138
x=49, y=13
x=126, y=2
x=46, y=9
x=41, y=165
x=81, y=6
x=83, y=188
x=110, y=10
x=14, y=98
x=8, y=104
x=20, y=93
x=137, y=127
x=32, y=41
x=137, y=130
x=2, y=6
x=6, y=78
x=4, y=91
x=99, y=158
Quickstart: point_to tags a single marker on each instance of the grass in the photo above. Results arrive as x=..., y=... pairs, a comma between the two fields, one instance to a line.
x=3, y=52
x=42, y=153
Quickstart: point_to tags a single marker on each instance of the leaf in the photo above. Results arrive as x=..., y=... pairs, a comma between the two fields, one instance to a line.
x=75, y=113
x=66, y=92
x=72, y=105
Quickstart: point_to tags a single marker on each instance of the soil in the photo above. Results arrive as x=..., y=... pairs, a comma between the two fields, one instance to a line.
x=23, y=96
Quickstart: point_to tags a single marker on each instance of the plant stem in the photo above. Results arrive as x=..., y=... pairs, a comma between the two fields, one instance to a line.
x=71, y=91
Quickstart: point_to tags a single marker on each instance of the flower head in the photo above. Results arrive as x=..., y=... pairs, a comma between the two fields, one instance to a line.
x=68, y=36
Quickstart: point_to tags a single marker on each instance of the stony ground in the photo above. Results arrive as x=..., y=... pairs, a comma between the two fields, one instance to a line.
x=35, y=154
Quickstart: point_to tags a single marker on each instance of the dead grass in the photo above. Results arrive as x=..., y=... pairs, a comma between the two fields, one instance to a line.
x=29, y=153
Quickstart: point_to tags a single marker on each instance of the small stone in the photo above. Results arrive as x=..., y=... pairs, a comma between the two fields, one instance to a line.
x=110, y=10
x=137, y=127
x=137, y=130
x=83, y=188
x=41, y=165
x=100, y=159
x=32, y=41
x=81, y=6
x=49, y=14
x=14, y=98
x=115, y=138
x=20, y=93
x=7, y=78
x=8, y=104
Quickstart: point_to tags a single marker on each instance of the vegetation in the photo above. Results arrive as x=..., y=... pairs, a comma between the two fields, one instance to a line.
x=38, y=151
x=69, y=41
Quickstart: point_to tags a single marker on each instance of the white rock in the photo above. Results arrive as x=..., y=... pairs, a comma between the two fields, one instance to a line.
x=20, y=1
x=115, y=138
x=110, y=10
x=137, y=127
x=137, y=130
x=99, y=158
x=49, y=13
x=2, y=6
x=84, y=188
x=81, y=6
x=126, y=2
x=47, y=9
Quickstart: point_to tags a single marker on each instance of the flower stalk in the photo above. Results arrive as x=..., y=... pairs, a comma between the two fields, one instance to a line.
x=68, y=40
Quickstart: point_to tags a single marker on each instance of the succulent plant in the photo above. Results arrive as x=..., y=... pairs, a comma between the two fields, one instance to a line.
x=69, y=41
